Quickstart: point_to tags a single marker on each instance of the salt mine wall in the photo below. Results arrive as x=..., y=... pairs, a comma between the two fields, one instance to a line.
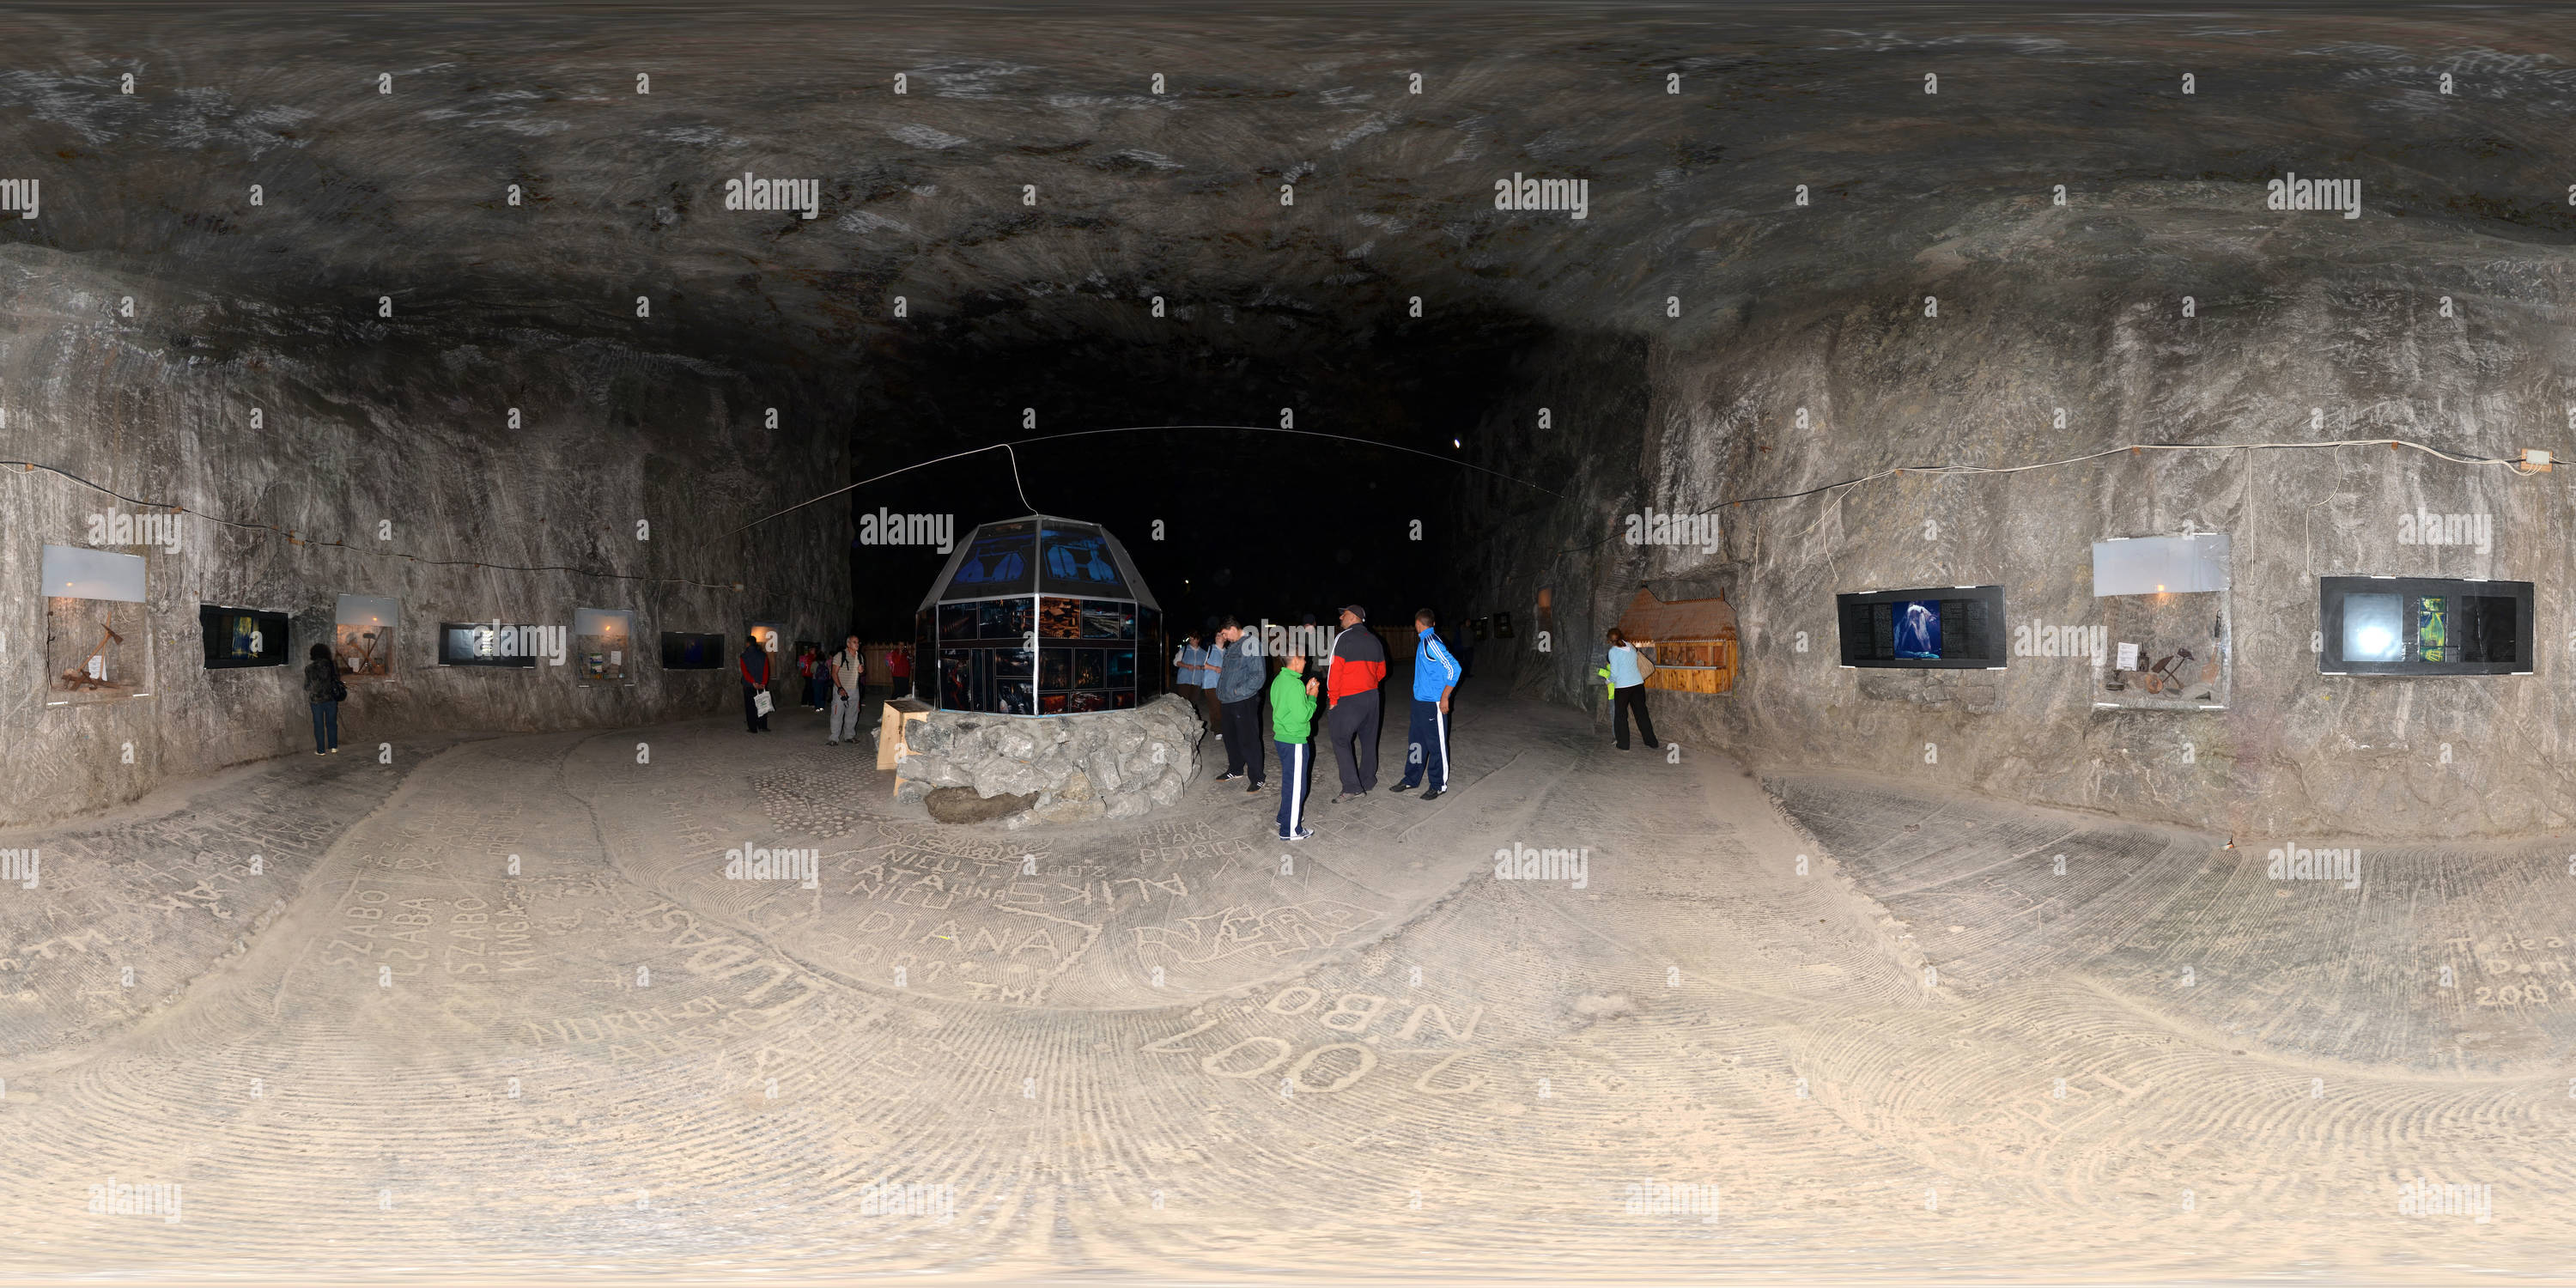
x=2459, y=347
x=364, y=425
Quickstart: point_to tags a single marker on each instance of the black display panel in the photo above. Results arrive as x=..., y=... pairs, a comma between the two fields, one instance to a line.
x=1014, y=664
x=925, y=653
x=1014, y=698
x=1108, y=619
x=2423, y=626
x=1931, y=628
x=478, y=644
x=692, y=651
x=1005, y=619
x=963, y=676
x=239, y=637
x=1078, y=561
x=1151, y=675
x=1002, y=561
x=1059, y=618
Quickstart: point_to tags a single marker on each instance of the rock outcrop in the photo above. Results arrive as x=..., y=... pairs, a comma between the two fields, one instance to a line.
x=1070, y=769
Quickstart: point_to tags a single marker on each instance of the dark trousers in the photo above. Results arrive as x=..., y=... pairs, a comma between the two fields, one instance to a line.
x=1189, y=693
x=1243, y=738
x=1633, y=698
x=1296, y=766
x=751, y=717
x=1426, y=756
x=326, y=725
x=1355, y=717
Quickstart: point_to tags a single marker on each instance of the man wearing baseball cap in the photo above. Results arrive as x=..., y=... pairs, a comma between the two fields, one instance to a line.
x=1358, y=664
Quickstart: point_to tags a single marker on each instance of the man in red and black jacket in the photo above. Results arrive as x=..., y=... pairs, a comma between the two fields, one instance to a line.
x=1358, y=664
x=755, y=677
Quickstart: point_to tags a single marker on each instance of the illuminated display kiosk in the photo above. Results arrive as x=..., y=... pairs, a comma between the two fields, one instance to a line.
x=1039, y=616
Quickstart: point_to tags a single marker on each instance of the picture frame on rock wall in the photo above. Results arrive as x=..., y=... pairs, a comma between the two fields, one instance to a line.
x=603, y=646
x=97, y=645
x=363, y=628
x=2164, y=629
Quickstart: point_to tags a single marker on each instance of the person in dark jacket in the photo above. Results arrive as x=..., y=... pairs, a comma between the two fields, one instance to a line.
x=321, y=684
x=1350, y=686
x=1238, y=692
x=755, y=678
x=809, y=661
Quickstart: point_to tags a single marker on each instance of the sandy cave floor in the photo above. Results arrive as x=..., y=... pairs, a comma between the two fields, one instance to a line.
x=1159, y=1055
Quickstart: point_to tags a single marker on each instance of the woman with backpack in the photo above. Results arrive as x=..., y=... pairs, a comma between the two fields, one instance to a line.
x=323, y=689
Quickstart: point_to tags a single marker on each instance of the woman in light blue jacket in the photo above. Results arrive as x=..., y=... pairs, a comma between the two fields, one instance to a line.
x=1627, y=691
x=1189, y=674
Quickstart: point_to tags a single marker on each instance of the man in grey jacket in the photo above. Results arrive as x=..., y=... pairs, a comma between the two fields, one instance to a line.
x=1238, y=693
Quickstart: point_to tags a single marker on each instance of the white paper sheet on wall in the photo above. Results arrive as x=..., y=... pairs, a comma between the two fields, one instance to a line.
x=2128, y=657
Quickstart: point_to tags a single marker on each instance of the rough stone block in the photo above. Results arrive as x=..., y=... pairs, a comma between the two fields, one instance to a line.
x=927, y=737
x=1070, y=812
x=962, y=805
x=998, y=777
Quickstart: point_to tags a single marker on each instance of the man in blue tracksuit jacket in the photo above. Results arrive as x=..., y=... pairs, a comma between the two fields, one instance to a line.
x=1435, y=677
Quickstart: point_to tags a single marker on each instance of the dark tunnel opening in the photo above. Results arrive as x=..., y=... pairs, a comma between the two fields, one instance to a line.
x=1323, y=464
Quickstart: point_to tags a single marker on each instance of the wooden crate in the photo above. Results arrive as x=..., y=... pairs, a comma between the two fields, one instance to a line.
x=898, y=713
x=1691, y=666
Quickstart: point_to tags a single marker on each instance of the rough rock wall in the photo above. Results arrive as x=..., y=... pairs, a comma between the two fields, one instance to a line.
x=1072, y=769
x=367, y=426
x=2038, y=310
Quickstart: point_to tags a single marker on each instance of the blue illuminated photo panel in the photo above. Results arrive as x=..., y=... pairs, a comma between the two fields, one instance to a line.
x=1918, y=628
